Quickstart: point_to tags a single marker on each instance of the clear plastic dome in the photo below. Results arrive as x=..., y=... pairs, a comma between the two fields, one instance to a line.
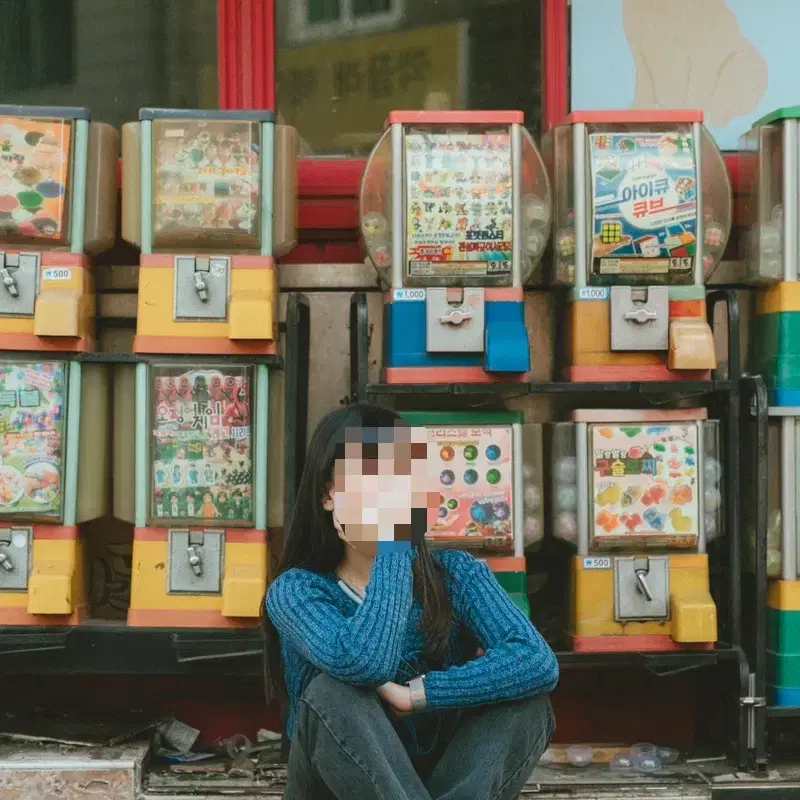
x=459, y=206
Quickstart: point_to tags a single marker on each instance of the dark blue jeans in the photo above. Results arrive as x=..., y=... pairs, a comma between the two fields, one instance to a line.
x=345, y=747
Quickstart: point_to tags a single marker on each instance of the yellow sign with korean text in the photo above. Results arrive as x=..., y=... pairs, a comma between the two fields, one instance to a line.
x=339, y=93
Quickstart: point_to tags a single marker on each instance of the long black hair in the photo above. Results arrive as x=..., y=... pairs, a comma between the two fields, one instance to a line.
x=312, y=542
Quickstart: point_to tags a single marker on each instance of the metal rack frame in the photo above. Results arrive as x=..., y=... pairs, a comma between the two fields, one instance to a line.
x=722, y=395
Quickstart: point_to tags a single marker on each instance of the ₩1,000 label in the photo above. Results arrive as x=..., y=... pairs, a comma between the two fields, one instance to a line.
x=597, y=562
x=593, y=293
x=408, y=294
x=57, y=274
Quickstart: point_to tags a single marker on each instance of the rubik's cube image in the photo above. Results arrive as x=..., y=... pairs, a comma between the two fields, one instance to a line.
x=683, y=186
x=602, y=142
x=566, y=243
x=611, y=233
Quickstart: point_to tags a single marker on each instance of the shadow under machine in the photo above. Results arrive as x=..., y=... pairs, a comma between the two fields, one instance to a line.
x=210, y=199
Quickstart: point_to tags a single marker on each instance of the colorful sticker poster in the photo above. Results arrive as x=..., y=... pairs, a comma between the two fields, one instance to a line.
x=34, y=178
x=644, y=485
x=459, y=204
x=32, y=410
x=644, y=192
x=202, y=469
x=207, y=180
x=472, y=469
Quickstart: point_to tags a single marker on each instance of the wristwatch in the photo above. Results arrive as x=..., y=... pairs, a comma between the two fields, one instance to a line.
x=419, y=700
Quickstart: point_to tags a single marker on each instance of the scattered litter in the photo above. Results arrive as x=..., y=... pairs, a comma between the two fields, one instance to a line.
x=242, y=768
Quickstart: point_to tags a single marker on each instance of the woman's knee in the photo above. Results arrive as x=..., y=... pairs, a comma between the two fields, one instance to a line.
x=327, y=693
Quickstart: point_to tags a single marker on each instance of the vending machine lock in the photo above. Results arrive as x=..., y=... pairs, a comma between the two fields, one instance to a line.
x=15, y=558
x=455, y=320
x=195, y=561
x=641, y=588
x=639, y=318
x=19, y=273
x=202, y=287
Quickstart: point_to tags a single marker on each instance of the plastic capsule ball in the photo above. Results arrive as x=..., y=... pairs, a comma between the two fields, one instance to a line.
x=710, y=526
x=712, y=498
x=382, y=255
x=769, y=240
x=580, y=756
x=374, y=226
x=533, y=530
x=709, y=262
x=714, y=235
x=532, y=497
x=567, y=469
x=649, y=763
x=567, y=497
x=528, y=472
x=536, y=211
x=535, y=242
x=566, y=526
x=621, y=762
x=712, y=471
x=667, y=755
x=773, y=562
x=547, y=758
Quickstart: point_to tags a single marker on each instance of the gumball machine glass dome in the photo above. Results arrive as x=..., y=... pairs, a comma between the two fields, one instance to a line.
x=461, y=200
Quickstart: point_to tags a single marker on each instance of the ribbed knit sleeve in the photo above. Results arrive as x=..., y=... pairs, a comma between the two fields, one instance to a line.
x=517, y=662
x=364, y=649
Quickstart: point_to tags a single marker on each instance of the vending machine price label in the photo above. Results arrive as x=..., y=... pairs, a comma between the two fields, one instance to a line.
x=58, y=274
x=594, y=293
x=596, y=563
x=408, y=294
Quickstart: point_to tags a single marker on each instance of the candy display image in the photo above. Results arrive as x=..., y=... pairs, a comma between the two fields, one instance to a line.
x=206, y=182
x=34, y=179
x=475, y=486
x=645, y=485
x=32, y=397
x=202, y=444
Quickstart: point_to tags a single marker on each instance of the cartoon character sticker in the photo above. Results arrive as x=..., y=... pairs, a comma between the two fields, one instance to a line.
x=459, y=204
x=645, y=485
x=202, y=456
x=32, y=399
x=472, y=469
x=206, y=182
x=34, y=179
x=644, y=191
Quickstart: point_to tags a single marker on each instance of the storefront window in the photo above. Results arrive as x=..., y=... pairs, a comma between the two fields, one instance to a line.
x=343, y=65
x=113, y=57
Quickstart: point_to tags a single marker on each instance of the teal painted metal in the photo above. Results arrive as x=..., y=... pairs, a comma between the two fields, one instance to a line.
x=267, y=181
x=261, y=433
x=142, y=449
x=70, y=477
x=80, y=150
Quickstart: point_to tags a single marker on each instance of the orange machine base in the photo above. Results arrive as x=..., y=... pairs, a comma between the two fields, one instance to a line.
x=439, y=375
x=13, y=617
x=655, y=643
x=138, y=618
x=211, y=346
x=30, y=342
x=634, y=374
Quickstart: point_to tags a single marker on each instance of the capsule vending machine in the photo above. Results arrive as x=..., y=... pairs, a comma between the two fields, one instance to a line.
x=455, y=213
x=487, y=468
x=771, y=173
x=642, y=217
x=638, y=494
x=58, y=186
x=210, y=199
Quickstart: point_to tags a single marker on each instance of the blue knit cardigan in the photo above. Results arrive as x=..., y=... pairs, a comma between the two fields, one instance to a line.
x=380, y=640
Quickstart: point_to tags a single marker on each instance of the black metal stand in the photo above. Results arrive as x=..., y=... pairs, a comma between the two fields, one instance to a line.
x=722, y=395
x=99, y=647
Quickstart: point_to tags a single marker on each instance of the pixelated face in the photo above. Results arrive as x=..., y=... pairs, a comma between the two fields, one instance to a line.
x=380, y=493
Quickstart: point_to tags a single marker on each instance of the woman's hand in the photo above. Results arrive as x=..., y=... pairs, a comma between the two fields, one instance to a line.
x=397, y=697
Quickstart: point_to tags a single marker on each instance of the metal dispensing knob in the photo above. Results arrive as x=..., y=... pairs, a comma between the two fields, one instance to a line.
x=5, y=561
x=641, y=568
x=201, y=286
x=10, y=282
x=195, y=552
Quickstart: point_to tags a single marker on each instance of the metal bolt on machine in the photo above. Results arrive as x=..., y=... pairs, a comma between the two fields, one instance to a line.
x=58, y=184
x=210, y=198
x=641, y=219
x=455, y=213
